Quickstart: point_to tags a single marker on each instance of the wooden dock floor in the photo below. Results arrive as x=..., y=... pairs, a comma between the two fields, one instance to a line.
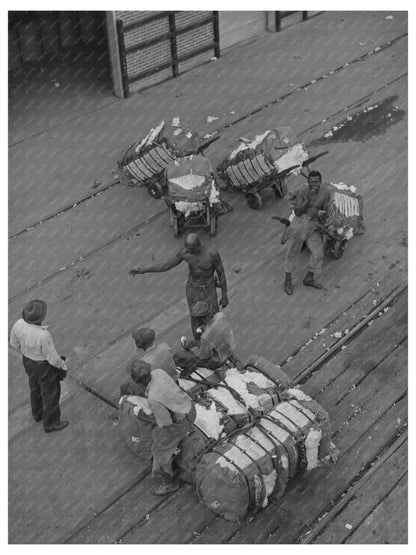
x=361, y=380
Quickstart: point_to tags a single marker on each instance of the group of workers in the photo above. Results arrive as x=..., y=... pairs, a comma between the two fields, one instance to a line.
x=154, y=373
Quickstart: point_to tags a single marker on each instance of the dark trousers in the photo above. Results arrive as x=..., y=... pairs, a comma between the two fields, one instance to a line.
x=45, y=390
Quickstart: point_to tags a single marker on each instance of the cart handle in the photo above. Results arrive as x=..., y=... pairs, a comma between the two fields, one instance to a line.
x=283, y=173
x=313, y=158
x=207, y=144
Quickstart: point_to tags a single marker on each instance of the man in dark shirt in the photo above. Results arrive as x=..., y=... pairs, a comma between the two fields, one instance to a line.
x=205, y=269
x=309, y=204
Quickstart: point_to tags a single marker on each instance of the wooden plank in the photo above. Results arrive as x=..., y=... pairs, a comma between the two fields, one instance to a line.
x=315, y=500
x=375, y=406
x=363, y=497
x=301, y=494
x=124, y=515
x=173, y=522
x=120, y=516
x=348, y=318
x=372, y=344
x=217, y=530
x=390, y=375
x=348, y=335
x=388, y=522
x=359, y=427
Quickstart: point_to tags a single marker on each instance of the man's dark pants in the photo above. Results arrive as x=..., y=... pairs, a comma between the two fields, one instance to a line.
x=45, y=390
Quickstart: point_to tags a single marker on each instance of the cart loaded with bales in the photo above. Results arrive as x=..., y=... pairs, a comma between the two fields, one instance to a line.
x=192, y=194
x=145, y=161
x=264, y=162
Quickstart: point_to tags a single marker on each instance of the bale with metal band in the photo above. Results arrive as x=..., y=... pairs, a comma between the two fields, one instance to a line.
x=242, y=473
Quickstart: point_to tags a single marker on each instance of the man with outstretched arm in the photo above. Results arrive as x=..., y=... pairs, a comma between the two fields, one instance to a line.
x=205, y=271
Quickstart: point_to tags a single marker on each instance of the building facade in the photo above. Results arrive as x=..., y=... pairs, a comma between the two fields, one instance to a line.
x=139, y=48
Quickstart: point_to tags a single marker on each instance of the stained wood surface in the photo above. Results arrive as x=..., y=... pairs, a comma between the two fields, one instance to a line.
x=364, y=389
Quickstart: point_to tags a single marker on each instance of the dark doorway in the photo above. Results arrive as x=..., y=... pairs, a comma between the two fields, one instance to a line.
x=57, y=58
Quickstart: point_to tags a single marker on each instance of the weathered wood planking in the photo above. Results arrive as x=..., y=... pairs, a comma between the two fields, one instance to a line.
x=382, y=421
x=120, y=516
x=376, y=405
x=368, y=493
x=139, y=517
x=345, y=320
x=374, y=343
x=306, y=508
x=388, y=379
x=362, y=420
x=173, y=522
x=388, y=522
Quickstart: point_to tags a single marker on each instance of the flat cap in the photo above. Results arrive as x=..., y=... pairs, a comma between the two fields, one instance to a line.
x=143, y=336
x=138, y=369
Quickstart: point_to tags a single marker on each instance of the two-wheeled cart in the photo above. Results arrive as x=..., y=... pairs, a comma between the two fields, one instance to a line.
x=192, y=195
x=145, y=161
x=264, y=162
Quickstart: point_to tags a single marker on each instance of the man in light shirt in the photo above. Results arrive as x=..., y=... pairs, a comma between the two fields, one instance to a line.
x=215, y=347
x=41, y=363
x=157, y=355
x=174, y=413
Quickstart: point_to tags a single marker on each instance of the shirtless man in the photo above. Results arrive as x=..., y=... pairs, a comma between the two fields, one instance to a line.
x=205, y=267
x=309, y=205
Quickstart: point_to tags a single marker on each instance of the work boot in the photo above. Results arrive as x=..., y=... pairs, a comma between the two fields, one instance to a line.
x=310, y=282
x=288, y=284
x=56, y=427
x=166, y=488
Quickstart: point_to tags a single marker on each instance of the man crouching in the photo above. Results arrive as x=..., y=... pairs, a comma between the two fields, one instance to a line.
x=174, y=413
x=215, y=346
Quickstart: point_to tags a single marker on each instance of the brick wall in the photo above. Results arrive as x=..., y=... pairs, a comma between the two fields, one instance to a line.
x=157, y=54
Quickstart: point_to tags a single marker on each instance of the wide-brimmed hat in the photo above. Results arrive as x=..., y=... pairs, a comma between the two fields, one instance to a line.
x=34, y=311
x=143, y=336
x=200, y=308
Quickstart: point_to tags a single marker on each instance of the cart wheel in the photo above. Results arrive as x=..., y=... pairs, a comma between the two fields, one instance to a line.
x=213, y=226
x=254, y=200
x=175, y=227
x=338, y=249
x=171, y=216
x=154, y=190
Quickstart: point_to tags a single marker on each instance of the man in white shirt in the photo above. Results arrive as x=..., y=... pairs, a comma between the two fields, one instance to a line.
x=41, y=363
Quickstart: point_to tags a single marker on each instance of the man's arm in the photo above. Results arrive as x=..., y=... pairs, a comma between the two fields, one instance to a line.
x=14, y=342
x=161, y=413
x=219, y=268
x=162, y=267
x=48, y=349
x=203, y=351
